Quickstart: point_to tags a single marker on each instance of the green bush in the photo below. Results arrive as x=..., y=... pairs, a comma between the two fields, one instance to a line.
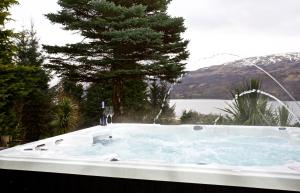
x=193, y=117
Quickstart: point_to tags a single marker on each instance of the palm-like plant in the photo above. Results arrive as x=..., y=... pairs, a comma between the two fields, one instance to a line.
x=66, y=116
x=251, y=108
x=284, y=118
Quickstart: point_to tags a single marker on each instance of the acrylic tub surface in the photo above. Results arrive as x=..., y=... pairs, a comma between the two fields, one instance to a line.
x=60, y=155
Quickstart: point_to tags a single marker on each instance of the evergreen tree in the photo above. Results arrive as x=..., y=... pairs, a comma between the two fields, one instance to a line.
x=95, y=94
x=72, y=90
x=123, y=40
x=151, y=5
x=22, y=81
x=6, y=45
x=27, y=49
x=136, y=106
x=135, y=103
x=158, y=99
x=16, y=83
x=157, y=94
x=36, y=105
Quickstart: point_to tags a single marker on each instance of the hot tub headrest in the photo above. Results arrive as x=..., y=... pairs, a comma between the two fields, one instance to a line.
x=197, y=128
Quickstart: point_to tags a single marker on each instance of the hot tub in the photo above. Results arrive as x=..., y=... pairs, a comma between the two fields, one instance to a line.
x=158, y=158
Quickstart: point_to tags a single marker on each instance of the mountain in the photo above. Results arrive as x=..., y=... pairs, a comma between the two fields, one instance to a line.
x=216, y=82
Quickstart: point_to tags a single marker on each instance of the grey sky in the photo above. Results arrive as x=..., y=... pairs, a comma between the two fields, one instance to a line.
x=242, y=27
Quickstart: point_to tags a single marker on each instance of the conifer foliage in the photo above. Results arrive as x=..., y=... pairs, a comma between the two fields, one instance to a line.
x=6, y=44
x=36, y=105
x=122, y=40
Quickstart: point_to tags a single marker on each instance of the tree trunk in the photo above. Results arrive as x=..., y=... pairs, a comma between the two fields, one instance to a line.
x=117, y=98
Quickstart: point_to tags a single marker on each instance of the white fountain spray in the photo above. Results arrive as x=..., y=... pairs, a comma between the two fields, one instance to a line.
x=165, y=98
x=217, y=119
x=249, y=63
x=271, y=96
x=261, y=69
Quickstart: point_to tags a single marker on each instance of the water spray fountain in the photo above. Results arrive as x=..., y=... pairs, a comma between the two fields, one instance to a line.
x=271, y=96
x=269, y=75
x=165, y=98
x=246, y=92
x=262, y=92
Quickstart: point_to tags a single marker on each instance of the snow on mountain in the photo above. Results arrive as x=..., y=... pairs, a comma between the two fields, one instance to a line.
x=217, y=81
x=286, y=58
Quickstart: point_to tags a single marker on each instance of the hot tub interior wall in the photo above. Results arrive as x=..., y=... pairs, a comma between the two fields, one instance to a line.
x=28, y=181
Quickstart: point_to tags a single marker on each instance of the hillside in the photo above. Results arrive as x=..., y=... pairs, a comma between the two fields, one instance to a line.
x=216, y=82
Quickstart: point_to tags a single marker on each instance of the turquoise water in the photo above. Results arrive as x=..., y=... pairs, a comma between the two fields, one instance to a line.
x=195, y=148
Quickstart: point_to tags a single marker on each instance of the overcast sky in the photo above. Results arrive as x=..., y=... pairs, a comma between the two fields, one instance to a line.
x=241, y=27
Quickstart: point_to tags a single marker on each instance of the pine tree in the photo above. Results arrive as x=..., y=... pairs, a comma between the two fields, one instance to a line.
x=123, y=40
x=72, y=90
x=27, y=49
x=16, y=83
x=23, y=83
x=36, y=104
x=135, y=102
x=6, y=45
x=95, y=94
x=158, y=99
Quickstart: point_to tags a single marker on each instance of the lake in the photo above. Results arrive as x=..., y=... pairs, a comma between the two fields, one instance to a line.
x=207, y=106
